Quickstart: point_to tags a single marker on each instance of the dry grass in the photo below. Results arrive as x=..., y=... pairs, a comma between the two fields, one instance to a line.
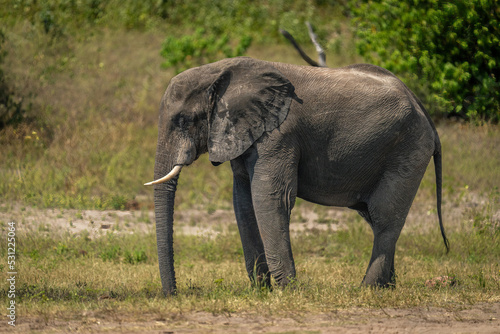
x=65, y=275
x=116, y=274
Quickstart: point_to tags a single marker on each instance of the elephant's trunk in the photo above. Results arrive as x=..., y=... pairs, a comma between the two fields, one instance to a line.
x=164, y=196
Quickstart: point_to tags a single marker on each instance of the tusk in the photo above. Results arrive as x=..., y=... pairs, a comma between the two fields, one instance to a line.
x=176, y=170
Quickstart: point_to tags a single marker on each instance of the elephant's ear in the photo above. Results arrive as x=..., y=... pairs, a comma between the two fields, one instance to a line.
x=249, y=98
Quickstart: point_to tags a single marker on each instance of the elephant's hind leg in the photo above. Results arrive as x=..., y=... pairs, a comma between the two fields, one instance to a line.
x=253, y=248
x=380, y=272
x=386, y=212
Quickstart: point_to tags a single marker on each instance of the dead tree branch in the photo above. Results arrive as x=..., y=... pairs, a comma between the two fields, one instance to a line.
x=319, y=49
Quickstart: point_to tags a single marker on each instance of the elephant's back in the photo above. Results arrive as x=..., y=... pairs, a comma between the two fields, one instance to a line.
x=350, y=122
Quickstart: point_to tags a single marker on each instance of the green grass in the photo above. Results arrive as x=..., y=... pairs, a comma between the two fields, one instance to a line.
x=67, y=274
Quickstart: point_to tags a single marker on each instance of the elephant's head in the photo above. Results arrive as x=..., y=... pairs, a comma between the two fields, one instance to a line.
x=220, y=108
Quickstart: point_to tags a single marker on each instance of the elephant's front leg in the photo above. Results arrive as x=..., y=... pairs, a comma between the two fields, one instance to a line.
x=253, y=248
x=273, y=199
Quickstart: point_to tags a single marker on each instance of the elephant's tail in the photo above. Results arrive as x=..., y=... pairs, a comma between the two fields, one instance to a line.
x=439, y=182
x=438, y=167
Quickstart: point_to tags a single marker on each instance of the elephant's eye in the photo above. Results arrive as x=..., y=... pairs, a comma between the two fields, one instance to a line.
x=182, y=120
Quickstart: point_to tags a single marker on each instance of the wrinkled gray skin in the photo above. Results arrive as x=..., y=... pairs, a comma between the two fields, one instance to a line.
x=352, y=137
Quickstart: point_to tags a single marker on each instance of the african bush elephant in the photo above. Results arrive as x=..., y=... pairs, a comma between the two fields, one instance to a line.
x=352, y=137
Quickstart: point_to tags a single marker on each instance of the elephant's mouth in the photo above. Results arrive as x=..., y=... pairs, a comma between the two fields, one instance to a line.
x=173, y=173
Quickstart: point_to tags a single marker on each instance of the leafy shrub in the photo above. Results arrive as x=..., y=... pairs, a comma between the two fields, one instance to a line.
x=136, y=256
x=229, y=27
x=118, y=202
x=110, y=253
x=11, y=110
x=199, y=48
x=56, y=15
x=451, y=48
x=259, y=19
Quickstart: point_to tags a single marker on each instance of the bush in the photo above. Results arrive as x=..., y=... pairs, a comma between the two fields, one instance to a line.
x=11, y=111
x=200, y=48
x=229, y=27
x=261, y=18
x=450, y=48
x=56, y=16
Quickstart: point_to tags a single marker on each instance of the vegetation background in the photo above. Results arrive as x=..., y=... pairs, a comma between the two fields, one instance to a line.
x=80, y=85
x=81, y=80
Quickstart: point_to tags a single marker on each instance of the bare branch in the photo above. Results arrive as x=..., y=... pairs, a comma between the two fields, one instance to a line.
x=297, y=47
x=314, y=39
x=319, y=49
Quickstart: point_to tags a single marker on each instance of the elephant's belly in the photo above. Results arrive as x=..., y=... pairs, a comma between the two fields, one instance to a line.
x=342, y=188
x=341, y=199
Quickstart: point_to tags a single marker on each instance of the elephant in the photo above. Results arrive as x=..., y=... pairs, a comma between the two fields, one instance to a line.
x=353, y=137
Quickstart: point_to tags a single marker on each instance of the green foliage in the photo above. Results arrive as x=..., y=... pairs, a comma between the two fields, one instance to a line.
x=200, y=48
x=59, y=17
x=61, y=249
x=118, y=202
x=110, y=253
x=135, y=256
x=229, y=27
x=11, y=110
x=451, y=48
x=260, y=19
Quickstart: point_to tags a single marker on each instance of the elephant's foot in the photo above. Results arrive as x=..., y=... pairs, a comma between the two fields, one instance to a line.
x=384, y=284
x=263, y=280
x=282, y=279
x=380, y=273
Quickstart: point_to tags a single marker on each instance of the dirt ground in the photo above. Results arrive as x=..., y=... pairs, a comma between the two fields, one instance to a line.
x=201, y=222
x=480, y=318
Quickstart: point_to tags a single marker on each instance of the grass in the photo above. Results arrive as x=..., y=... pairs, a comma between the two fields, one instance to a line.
x=121, y=273
x=95, y=97
x=93, y=144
